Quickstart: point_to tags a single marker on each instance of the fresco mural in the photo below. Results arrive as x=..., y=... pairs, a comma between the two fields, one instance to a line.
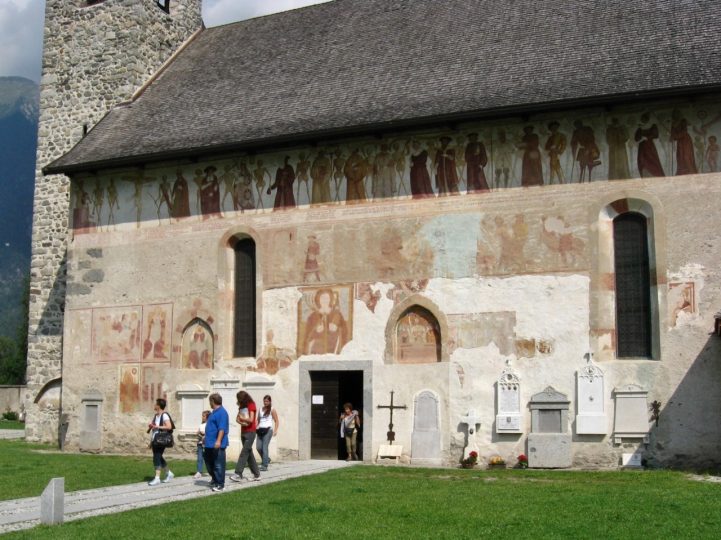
x=472, y=330
x=153, y=385
x=273, y=358
x=197, y=346
x=116, y=334
x=157, y=323
x=681, y=300
x=129, y=390
x=581, y=147
x=325, y=319
x=418, y=337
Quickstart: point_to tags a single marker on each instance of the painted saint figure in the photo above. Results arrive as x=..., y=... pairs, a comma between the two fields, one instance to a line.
x=259, y=175
x=320, y=172
x=685, y=160
x=284, y=178
x=555, y=146
x=302, y=174
x=446, y=174
x=649, y=164
x=326, y=330
x=503, y=160
x=531, y=167
x=384, y=171
x=585, y=150
x=312, y=268
x=617, y=138
x=355, y=170
x=476, y=158
x=712, y=154
x=210, y=193
x=180, y=206
x=420, y=179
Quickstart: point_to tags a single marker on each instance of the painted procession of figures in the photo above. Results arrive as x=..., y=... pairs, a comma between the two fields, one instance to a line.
x=606, y=147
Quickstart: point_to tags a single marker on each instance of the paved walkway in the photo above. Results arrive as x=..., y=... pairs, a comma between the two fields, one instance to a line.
x=12, y=433
x=25, y=513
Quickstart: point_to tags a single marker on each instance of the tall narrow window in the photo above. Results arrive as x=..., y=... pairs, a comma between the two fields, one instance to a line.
x=244, y=327
x=633, y=287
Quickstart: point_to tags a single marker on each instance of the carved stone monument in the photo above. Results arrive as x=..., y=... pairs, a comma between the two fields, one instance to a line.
x=91, y=404
x=591, y=417
x=426, y=436
x=549, y=443
x=508, y=406
x=471, y=420
x=631, y=416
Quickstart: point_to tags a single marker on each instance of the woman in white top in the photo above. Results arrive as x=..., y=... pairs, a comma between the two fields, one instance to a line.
x=201, y=443
x=161, y=421
x=267, y=426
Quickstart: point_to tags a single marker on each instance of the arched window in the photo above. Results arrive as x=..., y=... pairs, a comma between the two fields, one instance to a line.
x=244, y=316
x=633, y=286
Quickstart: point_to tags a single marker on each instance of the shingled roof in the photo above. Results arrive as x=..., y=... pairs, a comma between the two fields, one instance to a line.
x=359, y=66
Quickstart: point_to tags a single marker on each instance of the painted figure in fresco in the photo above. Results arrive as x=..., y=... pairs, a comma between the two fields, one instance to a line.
x=384, y=172
x=685, y=161
x=445, y=163
x=98, y=200
x=585, y=150
x=112, y=201
x=476, y=158
x=326, y=331
x=355, y=170
x=649, y=164
x=210, y=193
x=503, y=160
x=558, y=236
x=155, y=336
x=531, y=167
x=399, y=158
x=312, y=268
x=138, y=198
x=284, y=178
x=338, y=167
x=200, y=349
x=259, y=174
x=273, y=358
x=555, y=146
x=461, y=161
x=228, y=179
x=420, y=179
x=198, y=181
x=129, y=391
x=163, y=198
x=81, y=211
x=302, y=174
x=181, y=197
x=512, y=240
x=320, y=172
x=617, y=139
x=243, y=189
x=712, y=153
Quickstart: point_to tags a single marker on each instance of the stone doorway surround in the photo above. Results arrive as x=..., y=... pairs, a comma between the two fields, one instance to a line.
x=304, y=400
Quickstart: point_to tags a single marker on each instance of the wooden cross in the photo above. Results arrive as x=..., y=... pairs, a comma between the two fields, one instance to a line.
x=391, y=434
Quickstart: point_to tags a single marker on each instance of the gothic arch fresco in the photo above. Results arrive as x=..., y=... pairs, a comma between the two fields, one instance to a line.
x=416, y=333
x=198, y=346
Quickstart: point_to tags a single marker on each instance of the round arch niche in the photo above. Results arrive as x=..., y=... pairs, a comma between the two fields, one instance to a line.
x=416, y=337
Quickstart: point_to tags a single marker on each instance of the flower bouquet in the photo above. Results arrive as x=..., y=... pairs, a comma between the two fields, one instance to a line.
x=522, y=461
x=496, y=462
x=470, y=461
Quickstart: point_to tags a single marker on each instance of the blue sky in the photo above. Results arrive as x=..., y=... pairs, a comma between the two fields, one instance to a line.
x=21, y=27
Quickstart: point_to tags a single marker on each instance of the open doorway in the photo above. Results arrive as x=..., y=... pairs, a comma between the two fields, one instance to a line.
x=329, y=391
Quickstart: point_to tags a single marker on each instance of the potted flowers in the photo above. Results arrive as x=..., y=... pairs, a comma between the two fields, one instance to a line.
x=470, y=461
x=496, y=462
x=522, y=461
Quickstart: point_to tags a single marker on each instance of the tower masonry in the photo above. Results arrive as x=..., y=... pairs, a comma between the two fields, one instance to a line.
x=97, y=54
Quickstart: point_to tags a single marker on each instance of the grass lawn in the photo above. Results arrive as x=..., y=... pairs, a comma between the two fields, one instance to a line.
x=399, y=503
x=26, y=469
x=11, y=424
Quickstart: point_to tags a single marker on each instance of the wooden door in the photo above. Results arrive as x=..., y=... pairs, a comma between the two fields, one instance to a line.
x=324, y=415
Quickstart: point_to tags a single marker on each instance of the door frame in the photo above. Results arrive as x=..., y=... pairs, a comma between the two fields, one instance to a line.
x=304, y=406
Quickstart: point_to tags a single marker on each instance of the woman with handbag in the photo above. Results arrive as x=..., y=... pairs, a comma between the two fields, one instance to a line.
x=246, y=417
x=349, y=424
x=267, y=427
x=161, y=423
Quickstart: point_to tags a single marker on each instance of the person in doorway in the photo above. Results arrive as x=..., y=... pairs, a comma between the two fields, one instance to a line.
x=247, y=421
x=267, y=427
x=349, y=425
x=201, y=444
x=216, y=441
x=161, y=421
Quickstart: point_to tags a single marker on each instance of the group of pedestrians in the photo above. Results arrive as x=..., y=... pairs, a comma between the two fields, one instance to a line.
x=256, y=426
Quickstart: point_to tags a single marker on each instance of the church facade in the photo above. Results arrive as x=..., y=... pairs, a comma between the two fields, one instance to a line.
x=520, y=265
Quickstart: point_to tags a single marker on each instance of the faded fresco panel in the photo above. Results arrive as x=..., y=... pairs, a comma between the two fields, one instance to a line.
x=418, y=338
x=116, y=334
x=681, y=301
x=157, y=325
x=129, y=388
x=396, y=251
x=325, y=319
x=454, y=240
x=273, y=358
x=405, y=288
x=153, y=385
x=472, y=330
x=197, y=346
x=78, y=332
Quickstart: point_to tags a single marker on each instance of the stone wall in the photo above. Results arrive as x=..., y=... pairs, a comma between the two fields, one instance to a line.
x=95, y=56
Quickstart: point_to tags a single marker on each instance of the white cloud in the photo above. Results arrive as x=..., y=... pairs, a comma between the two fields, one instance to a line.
x=21, y=37
x=217, y=12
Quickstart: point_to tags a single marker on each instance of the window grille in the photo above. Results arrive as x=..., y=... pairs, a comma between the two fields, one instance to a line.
x=244, y=317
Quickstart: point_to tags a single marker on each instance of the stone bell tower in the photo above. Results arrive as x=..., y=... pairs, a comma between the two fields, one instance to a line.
x=97, y=53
